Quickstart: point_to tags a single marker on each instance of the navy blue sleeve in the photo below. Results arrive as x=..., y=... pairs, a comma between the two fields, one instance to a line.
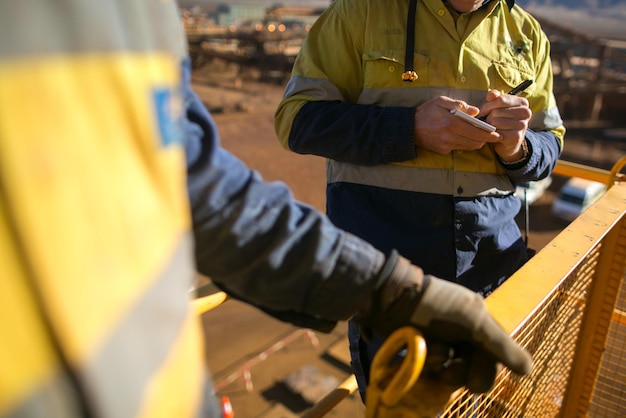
x=260, y=245
x=358, y=134
x=545, y=150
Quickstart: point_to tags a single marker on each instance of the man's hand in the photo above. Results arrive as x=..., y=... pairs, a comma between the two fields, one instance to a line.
x=510, y=115
x=448, y=315
x=438, y=131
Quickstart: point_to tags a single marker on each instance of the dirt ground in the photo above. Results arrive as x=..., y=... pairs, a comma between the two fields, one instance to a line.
x=250, y=354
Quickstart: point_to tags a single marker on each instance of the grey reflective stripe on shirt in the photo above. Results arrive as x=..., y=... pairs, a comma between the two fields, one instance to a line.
x=54, y=398
x=423, y=180
x=315, y=88
x=540, y=121
x=550, y=119
x=143, y=339
x=141, y=343
x=322, y=89
x=415, y=96
x=71, y=26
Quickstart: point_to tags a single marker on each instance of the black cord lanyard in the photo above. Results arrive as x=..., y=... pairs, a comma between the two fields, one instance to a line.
x=409, y=73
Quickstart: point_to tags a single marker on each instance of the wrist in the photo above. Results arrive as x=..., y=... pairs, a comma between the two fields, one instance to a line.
x=521, y=157
x=398, y=291
x=402, y=276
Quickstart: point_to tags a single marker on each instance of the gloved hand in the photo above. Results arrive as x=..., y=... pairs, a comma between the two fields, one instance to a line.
x=449, y=315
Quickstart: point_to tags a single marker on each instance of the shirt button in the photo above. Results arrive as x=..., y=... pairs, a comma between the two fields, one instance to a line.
x=441, y=12
x=459, y=190
x=463, y=79
x=392, y=69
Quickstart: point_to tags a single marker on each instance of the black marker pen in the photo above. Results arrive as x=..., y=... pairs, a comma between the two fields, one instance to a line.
x=521, y=87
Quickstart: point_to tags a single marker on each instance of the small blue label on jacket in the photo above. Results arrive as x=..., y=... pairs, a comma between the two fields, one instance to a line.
x=168, y=108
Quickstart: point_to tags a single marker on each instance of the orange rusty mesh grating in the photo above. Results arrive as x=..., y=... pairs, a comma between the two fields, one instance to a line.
x=609, y=394
x=551, y=335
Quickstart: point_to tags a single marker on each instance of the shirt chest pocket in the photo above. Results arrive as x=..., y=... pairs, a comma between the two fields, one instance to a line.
x=384, y=68
x=506, y=76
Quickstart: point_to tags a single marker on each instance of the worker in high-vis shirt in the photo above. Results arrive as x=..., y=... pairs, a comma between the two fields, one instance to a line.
x=377, y=89
x=114, y=192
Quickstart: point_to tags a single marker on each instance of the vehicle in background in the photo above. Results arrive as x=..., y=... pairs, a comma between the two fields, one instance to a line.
x=575, y=197
x=532, y=190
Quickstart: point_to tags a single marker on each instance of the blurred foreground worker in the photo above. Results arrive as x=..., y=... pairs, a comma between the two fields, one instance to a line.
x=372, y=90
x=101, y=230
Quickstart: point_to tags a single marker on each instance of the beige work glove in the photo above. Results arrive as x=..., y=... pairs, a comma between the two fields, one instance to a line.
x=449, y=315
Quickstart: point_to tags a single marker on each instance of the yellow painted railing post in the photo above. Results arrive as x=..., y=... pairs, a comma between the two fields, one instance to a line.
x=595, y=328
x=324, y=406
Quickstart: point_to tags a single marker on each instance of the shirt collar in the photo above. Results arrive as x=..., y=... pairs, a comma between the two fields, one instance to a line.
x=509, y=3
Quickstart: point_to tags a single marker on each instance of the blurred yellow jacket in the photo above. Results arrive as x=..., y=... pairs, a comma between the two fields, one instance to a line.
x=94, y=307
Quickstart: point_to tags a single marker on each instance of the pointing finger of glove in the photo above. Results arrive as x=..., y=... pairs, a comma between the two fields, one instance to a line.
x=500, y=345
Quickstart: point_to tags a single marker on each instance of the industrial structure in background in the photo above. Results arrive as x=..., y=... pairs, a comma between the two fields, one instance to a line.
x=268, y=45
x=590, y=73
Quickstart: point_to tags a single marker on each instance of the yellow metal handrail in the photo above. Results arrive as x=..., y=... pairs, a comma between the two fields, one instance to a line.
x=207, y=297
x=570, y=169
x=330, y=401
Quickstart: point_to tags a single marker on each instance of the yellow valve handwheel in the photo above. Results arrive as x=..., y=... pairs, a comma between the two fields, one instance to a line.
x=389, y=384
x=396, y=389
